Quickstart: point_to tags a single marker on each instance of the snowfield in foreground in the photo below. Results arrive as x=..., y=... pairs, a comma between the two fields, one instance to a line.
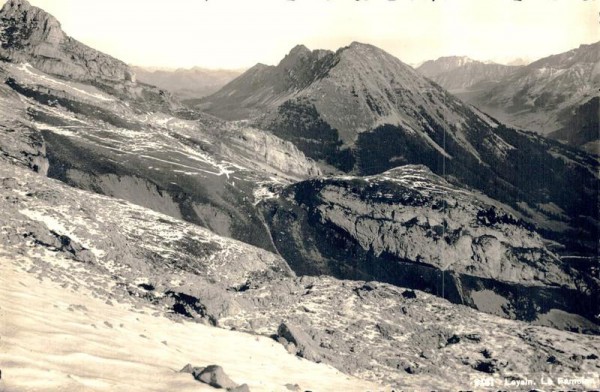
x=57, y=338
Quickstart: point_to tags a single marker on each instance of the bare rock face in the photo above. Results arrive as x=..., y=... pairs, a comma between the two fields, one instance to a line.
x=29, y=34
x=273, y=151
x=411, y=228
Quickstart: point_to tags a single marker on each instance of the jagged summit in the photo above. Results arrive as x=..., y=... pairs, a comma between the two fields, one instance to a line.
x=301, y=70
x=29, y=34
x=364, y=52
x=16, y=4
x=299, y=50
x=297, y=54
x=28, y=26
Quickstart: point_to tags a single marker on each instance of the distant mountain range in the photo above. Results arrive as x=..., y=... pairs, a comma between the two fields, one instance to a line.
x=556, y=96
x=187, y=84
x=462, y=74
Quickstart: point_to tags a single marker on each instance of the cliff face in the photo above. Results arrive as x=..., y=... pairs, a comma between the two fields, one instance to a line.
x=409, y=227
x=29, y=34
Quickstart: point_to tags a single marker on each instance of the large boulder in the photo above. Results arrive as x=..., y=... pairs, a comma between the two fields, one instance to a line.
x=299, y=342
x=215, y=376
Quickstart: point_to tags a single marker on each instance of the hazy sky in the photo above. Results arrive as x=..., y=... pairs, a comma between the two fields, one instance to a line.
x=240, y=33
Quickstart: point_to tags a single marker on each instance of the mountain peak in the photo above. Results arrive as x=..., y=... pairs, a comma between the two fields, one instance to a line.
x=299, y=49
x=453, y=61
x=358, y=51
x=16, y=4
x=297, y=53
x=443, y=65
x=29, y=34
x=23, y=12
x=260, y=66
x=356, y=46
x=25, y=25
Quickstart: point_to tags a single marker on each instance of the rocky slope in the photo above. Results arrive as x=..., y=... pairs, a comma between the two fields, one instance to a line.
x=133, y=143
x=187, y=84
x=117, y=272
x=411, y=228
x=461, y=74
x=202, y=170
x=93, y=260
x=363, y=111
x=108, y=346
x=30, y=35
x=557, y=96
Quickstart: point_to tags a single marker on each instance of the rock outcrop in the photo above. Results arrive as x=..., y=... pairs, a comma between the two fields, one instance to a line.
x=215, y=376
x=29, y=34
x=409, y=227
x=299, y=342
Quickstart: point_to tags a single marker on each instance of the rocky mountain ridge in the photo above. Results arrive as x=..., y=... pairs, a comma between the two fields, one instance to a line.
x=30, y=35
x=555, y=96
x=362, y=111
x=201, y=170
x=317, y=75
